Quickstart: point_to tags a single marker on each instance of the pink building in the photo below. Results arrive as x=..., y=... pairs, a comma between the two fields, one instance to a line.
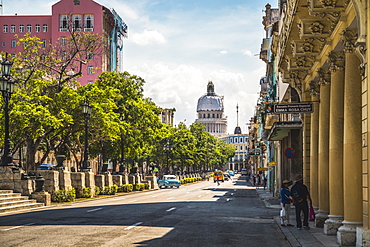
x=87, y=16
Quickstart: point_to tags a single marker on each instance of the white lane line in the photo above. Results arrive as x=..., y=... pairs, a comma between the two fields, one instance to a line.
x=232, y=194
x=228, y=199
x=116, y=199
x=168, y=210
x=132, y=226
x=92, y=210
x=15, y=227
x=170, y=198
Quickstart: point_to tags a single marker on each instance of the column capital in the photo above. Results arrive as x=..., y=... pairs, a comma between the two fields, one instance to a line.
x=336, y=61
x=349, y=37
x=324, y=77
x=314, y=88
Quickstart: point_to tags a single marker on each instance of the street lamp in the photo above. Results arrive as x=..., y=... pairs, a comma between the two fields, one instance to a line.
x=122, y=166
x=167, y=148
x=6, y=88
x=86, y=110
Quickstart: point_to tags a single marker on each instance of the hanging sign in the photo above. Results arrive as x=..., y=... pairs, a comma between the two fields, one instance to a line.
x=285, y=108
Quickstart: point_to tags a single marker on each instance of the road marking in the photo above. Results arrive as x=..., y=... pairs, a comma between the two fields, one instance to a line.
x=133, y=201
x=132, y=226
x=228, y=199
x=115, y=199
x=232, y=194
x=29, y=224
x=92, y=210
x=168, y=210
x=170, y=198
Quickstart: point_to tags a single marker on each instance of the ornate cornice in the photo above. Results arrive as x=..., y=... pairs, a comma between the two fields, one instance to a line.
x=324, y=77
x=349, y=37
x=336, y=61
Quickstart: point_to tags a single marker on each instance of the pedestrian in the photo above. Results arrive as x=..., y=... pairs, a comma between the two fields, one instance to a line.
x=264, y=181
x=301, y=197
x=285, y=203
x=257, y=181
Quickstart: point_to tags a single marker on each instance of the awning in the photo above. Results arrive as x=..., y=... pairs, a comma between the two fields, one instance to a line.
x=280, y=130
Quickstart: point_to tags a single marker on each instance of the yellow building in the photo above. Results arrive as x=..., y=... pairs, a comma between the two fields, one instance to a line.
x=322, y=52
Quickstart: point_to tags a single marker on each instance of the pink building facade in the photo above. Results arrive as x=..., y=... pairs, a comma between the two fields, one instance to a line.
x=87, y=16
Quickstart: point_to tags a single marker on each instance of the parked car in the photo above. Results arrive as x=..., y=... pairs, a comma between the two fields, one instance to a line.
x=244, y=171
x=46, y=167
x=231, y=173
x=169, y=181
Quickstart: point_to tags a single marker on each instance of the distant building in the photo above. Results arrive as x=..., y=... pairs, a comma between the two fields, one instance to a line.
x=240, y=141
x=210, y=110
x=86, y=16
x=167, y=116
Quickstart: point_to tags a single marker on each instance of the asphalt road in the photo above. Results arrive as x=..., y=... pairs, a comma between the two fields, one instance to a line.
x=201, y=214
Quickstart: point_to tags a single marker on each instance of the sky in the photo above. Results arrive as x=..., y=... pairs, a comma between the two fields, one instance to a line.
x=177, y=46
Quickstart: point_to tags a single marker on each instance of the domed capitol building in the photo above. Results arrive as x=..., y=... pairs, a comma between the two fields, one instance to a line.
x=210, y=109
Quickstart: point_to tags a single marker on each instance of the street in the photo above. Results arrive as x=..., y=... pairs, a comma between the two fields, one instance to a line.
x=200, y=214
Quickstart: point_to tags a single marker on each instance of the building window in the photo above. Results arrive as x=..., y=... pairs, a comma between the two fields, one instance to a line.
x=37, y=28
x=90, y=55
x=90, y=82
x=77, y=22
x=3, y=44
x=63, y=55
x=63, y=23
x=5, y=29
x=45, y=28
x=29, y=28
x=236, y=140
x=44, y=43
x=89, y=23
x=90, y=70
x=63, y=40
x=14, y=43
x=21, y=28
x=241, y=139
x=12, y=28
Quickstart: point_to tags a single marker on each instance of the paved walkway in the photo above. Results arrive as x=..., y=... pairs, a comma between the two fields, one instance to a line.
x=314, y=237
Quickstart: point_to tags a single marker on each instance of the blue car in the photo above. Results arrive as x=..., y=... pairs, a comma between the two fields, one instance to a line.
x=231, y=173
x=46, y=167
x=169, y=181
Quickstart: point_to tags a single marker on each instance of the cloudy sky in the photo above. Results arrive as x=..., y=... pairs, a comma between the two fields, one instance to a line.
x=177, y=46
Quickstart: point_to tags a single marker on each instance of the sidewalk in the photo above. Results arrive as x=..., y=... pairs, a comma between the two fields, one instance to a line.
x=307, y=238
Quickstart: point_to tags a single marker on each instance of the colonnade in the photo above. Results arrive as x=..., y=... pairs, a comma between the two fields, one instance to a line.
x=335, y=145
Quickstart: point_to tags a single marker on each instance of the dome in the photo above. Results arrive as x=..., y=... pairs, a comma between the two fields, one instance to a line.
x=211, y=101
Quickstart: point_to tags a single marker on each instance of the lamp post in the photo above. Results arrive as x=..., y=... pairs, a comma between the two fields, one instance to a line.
x=6, y=88
x=86, y=110
x=167, y=148
x=122, y=166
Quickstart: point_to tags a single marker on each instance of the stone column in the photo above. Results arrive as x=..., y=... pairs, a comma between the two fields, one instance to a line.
x=78, y=182
x=323, y=157
x=108, y=179
x=90, y=182
x=65, y=180
x=352, y=150
x=314, y=141
x=117, y=180
x=100, y=180
x=336, y=61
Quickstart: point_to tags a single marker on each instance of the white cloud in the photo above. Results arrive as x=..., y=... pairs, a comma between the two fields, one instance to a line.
x=148, y=38
x=247, y=52
x=223, y=52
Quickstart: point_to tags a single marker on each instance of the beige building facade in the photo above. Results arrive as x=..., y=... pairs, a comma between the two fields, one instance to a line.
x=322, y=52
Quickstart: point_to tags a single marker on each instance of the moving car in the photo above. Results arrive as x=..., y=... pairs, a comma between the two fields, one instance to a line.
x=169, y=181
x=218, y=176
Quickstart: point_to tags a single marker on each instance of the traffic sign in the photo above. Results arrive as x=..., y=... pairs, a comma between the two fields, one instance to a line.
x=289, y=153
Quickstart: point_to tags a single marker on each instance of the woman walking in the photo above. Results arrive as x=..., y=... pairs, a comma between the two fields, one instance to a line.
x=285, y=203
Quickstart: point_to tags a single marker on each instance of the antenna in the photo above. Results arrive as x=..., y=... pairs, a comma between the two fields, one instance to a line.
x=1, y=7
